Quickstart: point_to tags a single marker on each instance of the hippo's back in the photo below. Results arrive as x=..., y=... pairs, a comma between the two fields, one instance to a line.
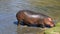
x=35, y=13
x=29, y=12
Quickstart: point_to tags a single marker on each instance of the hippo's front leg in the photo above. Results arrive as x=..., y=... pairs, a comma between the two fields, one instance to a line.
x=41, y=23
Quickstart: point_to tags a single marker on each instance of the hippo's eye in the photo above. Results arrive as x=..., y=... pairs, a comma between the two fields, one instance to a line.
x=49, y=19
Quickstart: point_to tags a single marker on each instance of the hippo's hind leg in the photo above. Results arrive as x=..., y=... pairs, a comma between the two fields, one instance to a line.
x=19, y=22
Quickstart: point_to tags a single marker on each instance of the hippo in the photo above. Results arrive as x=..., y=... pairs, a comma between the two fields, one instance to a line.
x=31, y=17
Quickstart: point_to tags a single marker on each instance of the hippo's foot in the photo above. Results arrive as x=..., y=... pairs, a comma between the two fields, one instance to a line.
x=18, y=24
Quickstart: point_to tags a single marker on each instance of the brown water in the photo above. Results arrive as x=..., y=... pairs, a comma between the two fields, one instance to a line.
x=8, y=9
x=29, y=30
x=49, y=7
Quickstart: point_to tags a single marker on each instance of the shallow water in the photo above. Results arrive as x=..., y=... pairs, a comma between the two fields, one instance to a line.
x=48, y=7
x=9, y=8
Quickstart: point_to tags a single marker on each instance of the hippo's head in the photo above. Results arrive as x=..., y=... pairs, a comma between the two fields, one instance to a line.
x=49, y=22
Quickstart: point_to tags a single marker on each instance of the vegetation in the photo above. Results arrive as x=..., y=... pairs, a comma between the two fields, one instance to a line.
x=51, y=8
x=55, y=30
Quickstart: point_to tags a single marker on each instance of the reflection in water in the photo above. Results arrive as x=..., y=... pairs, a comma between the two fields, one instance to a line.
x=18, y=30
x=29, y=30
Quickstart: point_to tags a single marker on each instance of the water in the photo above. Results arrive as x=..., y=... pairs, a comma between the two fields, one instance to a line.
x=9, y=8
x=48, y=7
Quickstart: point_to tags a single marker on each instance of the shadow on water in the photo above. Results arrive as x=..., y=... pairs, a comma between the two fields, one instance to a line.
x=16, y=23
x=31, y=25
x=29, y=29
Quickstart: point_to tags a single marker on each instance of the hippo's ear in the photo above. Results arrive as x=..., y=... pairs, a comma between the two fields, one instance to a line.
x=49, y=19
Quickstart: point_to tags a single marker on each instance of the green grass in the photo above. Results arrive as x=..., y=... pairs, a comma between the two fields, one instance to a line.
x=54, y=30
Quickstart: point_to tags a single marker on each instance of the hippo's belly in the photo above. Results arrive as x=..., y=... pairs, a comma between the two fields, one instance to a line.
x=30, y=20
